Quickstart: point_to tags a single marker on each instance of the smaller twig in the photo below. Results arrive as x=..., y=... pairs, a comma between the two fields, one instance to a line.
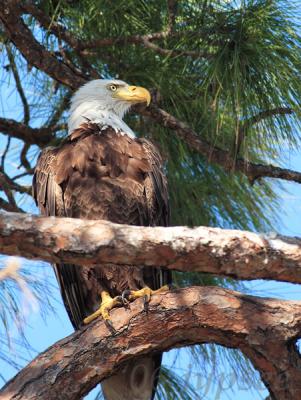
x=28, y=172
x=255, y=119
x=172, y=10
x=269, y=113
x=18, y=84
x=174, y=52
x=5, y=205
x=62, y=106
x=7, y=190
x=5, y=152
x=133, y=39
x=67, y=59
x=24, y=162
x=8, y=184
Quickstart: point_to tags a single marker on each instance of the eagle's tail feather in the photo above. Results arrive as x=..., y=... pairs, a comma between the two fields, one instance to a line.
x=137, y=380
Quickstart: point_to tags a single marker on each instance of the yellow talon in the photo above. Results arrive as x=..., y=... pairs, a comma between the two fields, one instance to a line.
x=146, y=292
x=107, y=303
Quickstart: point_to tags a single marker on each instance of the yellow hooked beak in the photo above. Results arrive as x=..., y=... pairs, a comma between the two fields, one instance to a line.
x=134, y=94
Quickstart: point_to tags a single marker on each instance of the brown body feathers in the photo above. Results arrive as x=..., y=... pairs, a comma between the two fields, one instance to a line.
x=101, y=174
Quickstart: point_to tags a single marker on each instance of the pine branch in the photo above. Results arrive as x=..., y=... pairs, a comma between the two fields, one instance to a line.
x=17, y=31
x=4, y=154
x=173, y=52
x=49, y=24
x=122, y=40
x=61, y=107
x=62, y=34
x=82, y=48
x=232, y=253
x=217, y=155
x=5, y=205
x=9, y=187
x=263, y=329
x=255, y=119
x=23, y=157
x=172, y=11
x=18, y=84
x=7, y=183
x=39, y=136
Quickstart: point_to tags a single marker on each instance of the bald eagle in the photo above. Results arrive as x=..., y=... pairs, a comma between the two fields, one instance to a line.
x=103, y=171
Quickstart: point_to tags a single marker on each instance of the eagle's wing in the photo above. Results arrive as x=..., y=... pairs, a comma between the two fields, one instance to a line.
x=49, y=197
x=46, y=192
x=156, y=190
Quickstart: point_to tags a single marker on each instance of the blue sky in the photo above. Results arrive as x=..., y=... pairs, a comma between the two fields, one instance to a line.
x=43, y=332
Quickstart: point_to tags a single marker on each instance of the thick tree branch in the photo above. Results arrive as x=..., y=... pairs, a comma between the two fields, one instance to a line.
x=263, y=329
x=36, y=54
x=39, y=136
x=237, y=254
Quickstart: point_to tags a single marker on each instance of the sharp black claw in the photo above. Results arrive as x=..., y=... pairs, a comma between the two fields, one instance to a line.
x=120, y=299
x=171, y=286
x=145, y=303
x=110, y=326
x=124, y=298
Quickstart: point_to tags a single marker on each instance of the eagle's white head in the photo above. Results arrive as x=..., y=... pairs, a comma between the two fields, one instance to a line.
x=105, y=101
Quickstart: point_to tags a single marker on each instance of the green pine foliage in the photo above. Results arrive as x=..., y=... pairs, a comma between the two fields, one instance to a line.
x=247, y=60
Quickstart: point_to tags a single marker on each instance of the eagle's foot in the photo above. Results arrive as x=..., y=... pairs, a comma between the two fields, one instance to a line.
x=146, y=293
x=107, y=303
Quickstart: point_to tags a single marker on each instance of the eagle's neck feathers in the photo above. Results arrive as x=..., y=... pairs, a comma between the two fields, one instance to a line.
x=102, y=115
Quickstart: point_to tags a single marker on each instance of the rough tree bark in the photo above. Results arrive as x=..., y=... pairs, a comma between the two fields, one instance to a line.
x=232, y=253
x=263, y=329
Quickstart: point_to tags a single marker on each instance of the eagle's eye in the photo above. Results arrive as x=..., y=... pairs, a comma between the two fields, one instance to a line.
x=113, y=88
